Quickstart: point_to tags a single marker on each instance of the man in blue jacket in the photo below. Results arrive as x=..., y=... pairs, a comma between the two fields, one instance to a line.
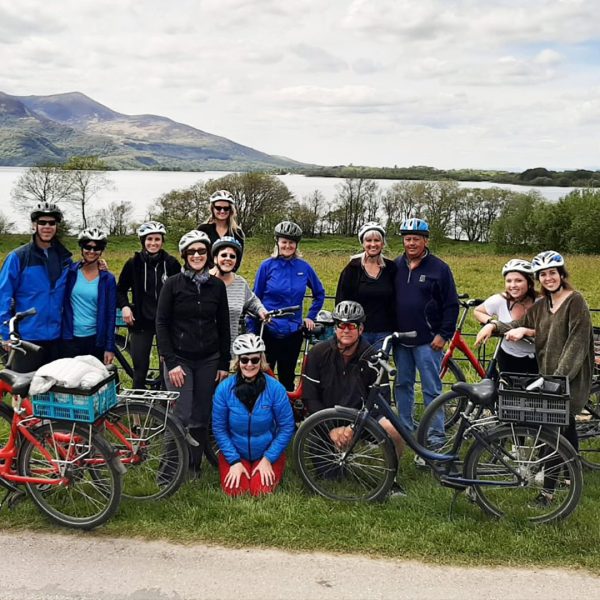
x=426, y=302
x=34, y=276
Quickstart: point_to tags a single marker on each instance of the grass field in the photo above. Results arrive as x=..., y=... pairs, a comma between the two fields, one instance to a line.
x=417, y=527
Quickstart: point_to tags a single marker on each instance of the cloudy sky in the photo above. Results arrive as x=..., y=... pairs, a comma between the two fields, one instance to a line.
x=505, y=84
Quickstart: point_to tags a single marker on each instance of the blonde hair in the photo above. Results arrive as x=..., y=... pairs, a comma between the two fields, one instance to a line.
x=232, y=223
x=234, y=366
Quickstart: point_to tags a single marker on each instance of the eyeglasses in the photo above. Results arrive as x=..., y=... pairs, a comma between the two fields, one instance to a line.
x=349, y=326
x=222, y=208
x=198, y=251
x=223, y=255
x=91, y=248
x=254, y=360
x=46, y=223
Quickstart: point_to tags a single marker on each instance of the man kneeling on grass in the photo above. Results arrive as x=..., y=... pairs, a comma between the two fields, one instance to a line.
x=337, y=373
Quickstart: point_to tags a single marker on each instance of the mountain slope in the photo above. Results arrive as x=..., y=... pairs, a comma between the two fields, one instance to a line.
x=38, y=129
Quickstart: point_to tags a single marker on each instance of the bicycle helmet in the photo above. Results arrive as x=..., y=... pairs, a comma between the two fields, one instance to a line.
x=222, y=195
x=92, y=234
x=191, y=237
x=288, y=230
x=325, y=317
x=46, y=208
x=227, y=241
x=414, y=227
x=370, y=226
x=519, y=265
x=348, y=311
x=547, y=260
x=151, y=227
x=247, y=343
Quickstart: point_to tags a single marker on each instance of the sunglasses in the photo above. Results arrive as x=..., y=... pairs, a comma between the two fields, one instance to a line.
x=350, y=326
x=46, y=223
x=222, y=208
x=254, y=360
x=91, y=248
x=199, y=252
x=227, y=255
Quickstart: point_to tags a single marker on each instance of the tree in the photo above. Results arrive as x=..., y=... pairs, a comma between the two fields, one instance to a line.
x=116, y=219
x=86, y=178
x=352, y=198
x=439, y=200
x=476, y=211
x=399, y=202
x=303, y=216
x=41, y=184
x=6, y=226
x=315, y=203
x=516, y=225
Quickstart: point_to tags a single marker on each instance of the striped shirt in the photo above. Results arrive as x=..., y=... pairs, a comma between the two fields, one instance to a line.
x=240, y=296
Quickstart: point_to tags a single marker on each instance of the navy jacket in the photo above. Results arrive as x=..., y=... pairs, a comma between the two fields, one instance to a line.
x=107, y=308
x=426, y=300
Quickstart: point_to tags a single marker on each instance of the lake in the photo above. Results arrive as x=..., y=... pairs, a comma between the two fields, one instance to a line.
x=142, y=188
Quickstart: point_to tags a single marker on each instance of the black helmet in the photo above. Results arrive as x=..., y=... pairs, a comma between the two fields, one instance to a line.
x=288, y=230
x=348, y=311
x=46, y=208
x=227, y=241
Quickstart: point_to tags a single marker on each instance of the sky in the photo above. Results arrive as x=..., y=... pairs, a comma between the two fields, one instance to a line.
x=488, y=84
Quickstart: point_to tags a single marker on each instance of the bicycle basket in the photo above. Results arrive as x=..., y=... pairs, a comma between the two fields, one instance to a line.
x=541, y=407
x=83, y=406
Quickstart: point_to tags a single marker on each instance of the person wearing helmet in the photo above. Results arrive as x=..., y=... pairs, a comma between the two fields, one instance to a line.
x=426, y=302
x=518, y=297
x=252, y=421
x=88, y=325
x=561, y=324
x=282, y=281
x=337, y=371
x=227, y=254
x=142, y=277
x=222, y=220
x=34, y=276
x=369, y=279
x=192, y=329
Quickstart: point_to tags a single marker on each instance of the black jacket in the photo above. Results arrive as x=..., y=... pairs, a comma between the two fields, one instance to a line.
x=192, y=324
x=145, y=283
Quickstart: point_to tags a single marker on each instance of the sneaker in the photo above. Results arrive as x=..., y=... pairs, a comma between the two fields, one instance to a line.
x=397, y=491
x=420, y=462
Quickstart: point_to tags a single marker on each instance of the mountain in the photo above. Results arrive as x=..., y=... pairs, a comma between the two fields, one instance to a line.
x=51, y=129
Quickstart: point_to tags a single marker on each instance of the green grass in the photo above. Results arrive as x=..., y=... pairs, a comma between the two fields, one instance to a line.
x=416, y=527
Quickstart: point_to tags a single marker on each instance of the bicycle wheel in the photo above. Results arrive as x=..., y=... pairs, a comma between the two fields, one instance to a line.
x=6, y=416
x=211, y=449
x=365, y=473
x=588, y=430
x=150, y=443
x=89, y=477
x=526, y=472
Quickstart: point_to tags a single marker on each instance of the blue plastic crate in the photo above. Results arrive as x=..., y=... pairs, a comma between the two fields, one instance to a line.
x=84, y=406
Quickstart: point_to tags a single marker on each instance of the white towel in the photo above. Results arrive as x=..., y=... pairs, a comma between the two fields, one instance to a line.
x=82, y=372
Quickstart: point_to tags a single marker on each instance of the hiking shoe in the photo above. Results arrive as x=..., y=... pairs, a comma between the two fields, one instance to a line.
x=420, y=462
x=397, y=491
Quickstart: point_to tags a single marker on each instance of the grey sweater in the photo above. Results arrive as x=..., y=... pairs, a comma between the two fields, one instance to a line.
x=564, y=343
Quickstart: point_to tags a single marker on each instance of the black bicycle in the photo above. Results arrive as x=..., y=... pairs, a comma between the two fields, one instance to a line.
x=521, y=470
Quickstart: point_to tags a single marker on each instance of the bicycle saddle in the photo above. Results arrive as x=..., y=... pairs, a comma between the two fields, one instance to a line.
x=19, y=382
x=483, y=393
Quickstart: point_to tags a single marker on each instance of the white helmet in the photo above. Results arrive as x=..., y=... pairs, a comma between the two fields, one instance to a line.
x=191, y=237
x=248, y=343
x=288, y=230
x=324, y=316
x=92, y=234
x=222, y=195
x=151, y=227
x=370, y=226
x=519, y=265
x=547, y=260
x=46, y=208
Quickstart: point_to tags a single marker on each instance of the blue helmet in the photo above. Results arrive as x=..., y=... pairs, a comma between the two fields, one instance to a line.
x=414, y=227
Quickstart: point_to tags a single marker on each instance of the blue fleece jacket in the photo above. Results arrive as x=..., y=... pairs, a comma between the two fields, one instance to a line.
x=426, y=299
x=107, y=308
x=264, y=432
x=282, y=282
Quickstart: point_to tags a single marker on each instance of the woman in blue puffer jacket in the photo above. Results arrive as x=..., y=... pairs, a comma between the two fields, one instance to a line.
x=252, y=422
x=282, y=281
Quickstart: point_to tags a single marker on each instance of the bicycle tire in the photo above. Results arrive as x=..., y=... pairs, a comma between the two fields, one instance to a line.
x=452, y=411
x=92, y=492
x=588, y=431
x=6, y=417
x=151, y=444
x=211, y=449
x=534, y=453
x=365, y=474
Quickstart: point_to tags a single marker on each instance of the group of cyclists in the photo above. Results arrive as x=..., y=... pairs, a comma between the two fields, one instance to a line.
x=192, y=305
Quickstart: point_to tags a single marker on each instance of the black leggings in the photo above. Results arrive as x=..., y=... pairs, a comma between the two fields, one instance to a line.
x=140, y=348
x=283, y=352
x=516, y=364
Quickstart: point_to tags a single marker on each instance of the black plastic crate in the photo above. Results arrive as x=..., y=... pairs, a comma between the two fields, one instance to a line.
x=540, y=407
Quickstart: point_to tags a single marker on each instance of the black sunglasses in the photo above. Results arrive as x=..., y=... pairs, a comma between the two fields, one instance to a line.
x=222, y=208
x=91, y=248
x=199, y=252
x=244, y=360
x=46, y=223
x=227, y=255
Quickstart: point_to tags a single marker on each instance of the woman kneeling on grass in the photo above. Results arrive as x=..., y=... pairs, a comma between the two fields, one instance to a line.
x=252, y=421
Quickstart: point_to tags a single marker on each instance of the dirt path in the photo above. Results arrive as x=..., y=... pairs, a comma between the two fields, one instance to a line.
x=80, y=567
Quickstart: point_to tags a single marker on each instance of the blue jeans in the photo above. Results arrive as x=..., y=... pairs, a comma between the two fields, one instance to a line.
x=408, y=359
x=375, y=338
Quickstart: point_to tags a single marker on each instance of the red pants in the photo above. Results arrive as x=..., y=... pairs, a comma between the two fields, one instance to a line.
x=252, y=485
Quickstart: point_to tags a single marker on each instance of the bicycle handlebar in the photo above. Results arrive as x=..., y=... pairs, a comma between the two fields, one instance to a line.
x=283, y=312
